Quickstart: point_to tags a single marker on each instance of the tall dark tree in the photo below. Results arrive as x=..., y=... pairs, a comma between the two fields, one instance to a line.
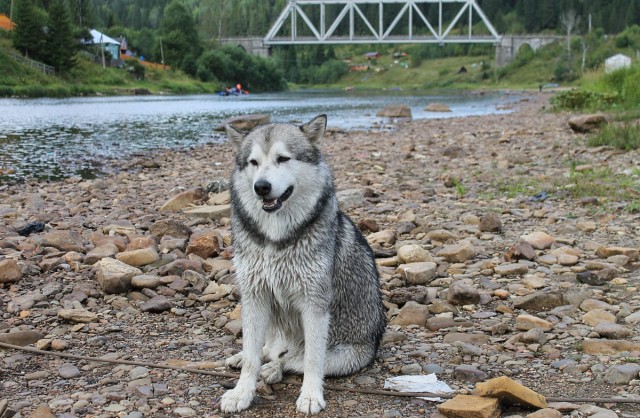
x=28, y=36
x=60, y=43
x=180, y=41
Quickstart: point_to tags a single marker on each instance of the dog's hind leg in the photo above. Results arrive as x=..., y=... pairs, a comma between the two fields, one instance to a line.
x=345, y=359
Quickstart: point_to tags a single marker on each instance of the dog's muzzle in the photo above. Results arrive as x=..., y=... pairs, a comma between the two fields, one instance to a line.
x=263, y=189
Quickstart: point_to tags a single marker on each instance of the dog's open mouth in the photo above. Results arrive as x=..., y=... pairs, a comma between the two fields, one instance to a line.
x=271, y=205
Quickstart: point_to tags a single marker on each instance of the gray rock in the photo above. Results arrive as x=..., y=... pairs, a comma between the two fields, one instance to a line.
x=622, y=374
x=395, y=111
x=351, y=198
x=539, y=301
x=490, y=223
x=21, y=338
x=469, y=374
x=115, y=276
x=462, y=294
x=156, y=305
x=65, y=240
x=69, y=371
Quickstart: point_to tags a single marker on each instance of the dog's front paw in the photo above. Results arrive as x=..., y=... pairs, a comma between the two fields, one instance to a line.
x=236, y=400
x=234, y=361
x=310, y=403
x=271, y=372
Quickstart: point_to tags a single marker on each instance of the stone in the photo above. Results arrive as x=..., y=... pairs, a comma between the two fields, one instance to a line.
x=587, y=123
x=395, y=111
x=458, y=253
x=441, y=235
x=350, y=199
x=538, y=301
x=184, y=199
x=490, y=223
x=462, y=294
x=476, y=339
x=534, y=336
x=77, y=315
x=138, y=258
x=598, y=316
x=138, y=243
x=21, y=338
x=412, y=313
x=9, y=271
x=521, y=250
x=63, y=240
x=606, y=252
x=42, y=411
x=146, y=281
x=545, y=413
x=413, y=254
x=205, y=244
x=156, y=304
x=512, y=269
x=467, y=373
x=102, y=251
x=526, y=322
x=171, y=228
x=69, y=371
x=436, y=323
x=609, y=347
x=179, y=266
x=622, y=374
x=539, y=240
x=98, y=239
x=437, y=107
x=510, y=392
x=245, y=122
x=633, y=319
x=612, y=330
x=114, y=276
x=418, y=273
x=590, y=278
x=469, y=406
x=381, y=238
x=215, y=212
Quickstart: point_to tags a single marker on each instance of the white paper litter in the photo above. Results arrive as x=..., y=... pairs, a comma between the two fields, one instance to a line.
x=418, y=383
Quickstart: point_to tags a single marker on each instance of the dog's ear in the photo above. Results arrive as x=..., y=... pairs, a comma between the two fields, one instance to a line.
x=236, y=136
x=314, y=129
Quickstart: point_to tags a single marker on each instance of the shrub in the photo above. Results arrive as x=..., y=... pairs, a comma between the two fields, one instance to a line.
x=582, y=99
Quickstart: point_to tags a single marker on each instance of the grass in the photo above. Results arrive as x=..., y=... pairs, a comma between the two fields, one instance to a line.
x=624, y=136
x=88, y=78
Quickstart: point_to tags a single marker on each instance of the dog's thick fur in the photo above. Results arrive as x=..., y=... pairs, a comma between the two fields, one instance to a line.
x=311, y=300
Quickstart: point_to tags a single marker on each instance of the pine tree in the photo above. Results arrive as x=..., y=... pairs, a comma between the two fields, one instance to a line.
x=60, y=44
x=28, y=36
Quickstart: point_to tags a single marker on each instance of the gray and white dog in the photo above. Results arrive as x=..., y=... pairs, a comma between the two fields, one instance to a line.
x=311, y=300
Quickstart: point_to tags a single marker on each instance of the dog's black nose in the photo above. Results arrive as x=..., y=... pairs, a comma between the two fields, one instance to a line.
x=262, y=188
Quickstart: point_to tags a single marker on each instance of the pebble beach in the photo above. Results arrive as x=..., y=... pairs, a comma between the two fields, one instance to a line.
x=488, y=268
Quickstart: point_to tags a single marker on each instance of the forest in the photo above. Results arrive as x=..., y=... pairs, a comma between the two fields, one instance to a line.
x=185, y=33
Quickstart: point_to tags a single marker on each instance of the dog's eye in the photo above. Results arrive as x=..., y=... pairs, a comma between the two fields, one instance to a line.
x=253, y=163
x=283, y=159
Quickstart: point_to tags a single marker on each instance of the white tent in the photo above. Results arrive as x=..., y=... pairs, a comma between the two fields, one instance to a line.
x=616, y=62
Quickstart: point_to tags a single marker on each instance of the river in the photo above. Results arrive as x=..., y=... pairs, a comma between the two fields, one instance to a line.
x=57, y=138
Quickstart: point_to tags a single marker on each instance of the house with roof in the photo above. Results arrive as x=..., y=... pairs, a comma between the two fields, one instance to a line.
x=6, y=23
x=101, y=40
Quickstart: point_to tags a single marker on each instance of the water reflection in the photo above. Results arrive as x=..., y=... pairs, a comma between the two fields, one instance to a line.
x=57, y=138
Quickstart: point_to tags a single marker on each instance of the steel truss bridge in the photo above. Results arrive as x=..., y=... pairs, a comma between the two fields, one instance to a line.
x=305, y=22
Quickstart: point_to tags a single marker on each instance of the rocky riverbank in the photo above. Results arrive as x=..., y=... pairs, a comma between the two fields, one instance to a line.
x=491, y=265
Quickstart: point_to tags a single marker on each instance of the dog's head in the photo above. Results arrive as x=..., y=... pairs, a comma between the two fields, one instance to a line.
x=276, y=162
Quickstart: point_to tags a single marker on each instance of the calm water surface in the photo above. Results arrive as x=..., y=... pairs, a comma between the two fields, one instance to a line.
x=57, y=138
